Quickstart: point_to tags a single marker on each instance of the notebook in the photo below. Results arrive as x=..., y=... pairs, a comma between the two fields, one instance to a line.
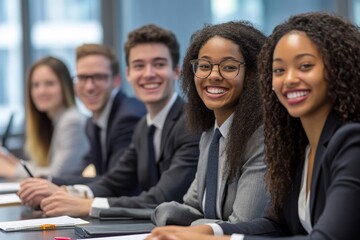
x=103, y=230
x=9, y=187
x=115, y=213
x=9, y=199
x=41, y=224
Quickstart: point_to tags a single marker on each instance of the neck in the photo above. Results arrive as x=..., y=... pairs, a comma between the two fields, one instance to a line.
x=53, y=114
x=155, y=107
x=313, y=127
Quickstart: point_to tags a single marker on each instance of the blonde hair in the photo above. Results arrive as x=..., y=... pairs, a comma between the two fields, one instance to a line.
x=39, y=128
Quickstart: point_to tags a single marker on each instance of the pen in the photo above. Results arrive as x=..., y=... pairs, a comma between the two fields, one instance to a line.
x=22, y=162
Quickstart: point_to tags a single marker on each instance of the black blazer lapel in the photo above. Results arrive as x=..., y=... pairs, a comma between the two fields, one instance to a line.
x=173, y=115
x=113, y=112
x=331, y=125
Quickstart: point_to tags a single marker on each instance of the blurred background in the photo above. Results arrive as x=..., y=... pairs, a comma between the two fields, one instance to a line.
x=30, y=29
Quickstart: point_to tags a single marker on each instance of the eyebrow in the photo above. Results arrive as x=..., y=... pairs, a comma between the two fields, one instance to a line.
x=153, y=59
x=222, y=59
x=296, y=57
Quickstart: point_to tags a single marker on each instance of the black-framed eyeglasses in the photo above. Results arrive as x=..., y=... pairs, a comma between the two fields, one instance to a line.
x=97, y=79
x=228, y=68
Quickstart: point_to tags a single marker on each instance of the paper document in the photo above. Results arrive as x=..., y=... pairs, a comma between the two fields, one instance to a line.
x=41, y=224
x=127, y=237
x=9, y=199
x=9, y=187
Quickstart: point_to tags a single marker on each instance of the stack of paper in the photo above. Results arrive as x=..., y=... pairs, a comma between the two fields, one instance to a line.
x=9, y=199
x=41, y=224
x=9, y=187
x=127, y=237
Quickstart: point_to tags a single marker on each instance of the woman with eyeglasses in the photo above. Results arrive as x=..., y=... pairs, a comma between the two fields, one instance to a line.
x=219, y=79
x=55, y=129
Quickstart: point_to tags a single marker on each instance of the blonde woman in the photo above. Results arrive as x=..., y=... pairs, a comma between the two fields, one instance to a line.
x=55, y=130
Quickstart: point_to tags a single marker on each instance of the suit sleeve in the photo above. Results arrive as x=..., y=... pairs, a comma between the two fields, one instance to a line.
x=68, y=146
x=175, y=213
x=176, y=179
x=72, y=147
x=121, y=179
x=251, y=197
x=120, y=136
x=341, y=215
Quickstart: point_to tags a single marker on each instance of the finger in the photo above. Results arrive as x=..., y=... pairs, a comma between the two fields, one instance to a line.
x=32, y=192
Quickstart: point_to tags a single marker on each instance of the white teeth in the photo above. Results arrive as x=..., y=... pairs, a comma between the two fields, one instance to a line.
x=292, y=95
x=215, y=90
x=151, y=85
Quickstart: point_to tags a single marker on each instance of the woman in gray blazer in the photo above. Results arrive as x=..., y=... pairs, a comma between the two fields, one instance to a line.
x=55, y=129
x=220, y=81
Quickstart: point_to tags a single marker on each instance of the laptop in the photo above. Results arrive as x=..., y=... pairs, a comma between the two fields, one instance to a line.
x=5, y=136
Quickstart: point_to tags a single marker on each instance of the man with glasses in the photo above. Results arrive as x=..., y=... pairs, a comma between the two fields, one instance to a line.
x=161, y=161
x=114, y=115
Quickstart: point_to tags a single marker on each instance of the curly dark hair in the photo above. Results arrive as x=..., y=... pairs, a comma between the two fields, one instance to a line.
x=152, y=33
x=248, y=112
x=285, y=140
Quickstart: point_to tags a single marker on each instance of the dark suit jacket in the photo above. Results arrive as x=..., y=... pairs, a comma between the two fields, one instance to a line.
x=124, y=115
x=179, y=152
x=335, y=191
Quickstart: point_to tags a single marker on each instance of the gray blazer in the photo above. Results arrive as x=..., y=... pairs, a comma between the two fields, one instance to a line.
x=127, y=185
x=243, y=199
x=68, y=146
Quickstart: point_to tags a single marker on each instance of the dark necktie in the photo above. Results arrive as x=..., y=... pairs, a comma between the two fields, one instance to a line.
x=97, y=132
x=153, y=169
x=212, y=177
x=97, y=141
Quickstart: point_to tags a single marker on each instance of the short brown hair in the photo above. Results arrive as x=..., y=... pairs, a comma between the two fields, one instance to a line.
x=97, y=49
x=153, y=34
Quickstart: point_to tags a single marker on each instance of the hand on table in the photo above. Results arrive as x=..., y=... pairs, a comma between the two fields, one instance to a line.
x=62, y=203
x=33, y=190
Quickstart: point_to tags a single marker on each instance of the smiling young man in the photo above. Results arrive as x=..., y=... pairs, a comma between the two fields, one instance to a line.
x=139, y=180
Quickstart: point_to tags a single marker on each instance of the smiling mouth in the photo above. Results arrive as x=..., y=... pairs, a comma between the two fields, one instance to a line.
x=293, y=95
x=216, y=90
x=151, y=85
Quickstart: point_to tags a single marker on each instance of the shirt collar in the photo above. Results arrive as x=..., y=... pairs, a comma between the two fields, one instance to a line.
x=159, y=119
x=225, y=127
x=102, y=120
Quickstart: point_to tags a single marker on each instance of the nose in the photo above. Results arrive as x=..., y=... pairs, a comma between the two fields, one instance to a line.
x=215, y=72
x=291, y=78
x=149, y=71
x=40, y=89
x=89, y=83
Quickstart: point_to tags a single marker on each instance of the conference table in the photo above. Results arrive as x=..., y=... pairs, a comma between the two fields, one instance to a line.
x=20, y=212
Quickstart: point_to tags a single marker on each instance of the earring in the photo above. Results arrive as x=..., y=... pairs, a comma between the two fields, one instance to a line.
x=273, y=89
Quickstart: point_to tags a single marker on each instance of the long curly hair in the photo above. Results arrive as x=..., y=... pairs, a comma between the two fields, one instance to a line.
x=248, y=112
x=285, y=140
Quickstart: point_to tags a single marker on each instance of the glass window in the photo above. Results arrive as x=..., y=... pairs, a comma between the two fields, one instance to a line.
x=58, y=26
x=226, y=10
x=266, y=14
x=11, y=83
x=356, y=11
